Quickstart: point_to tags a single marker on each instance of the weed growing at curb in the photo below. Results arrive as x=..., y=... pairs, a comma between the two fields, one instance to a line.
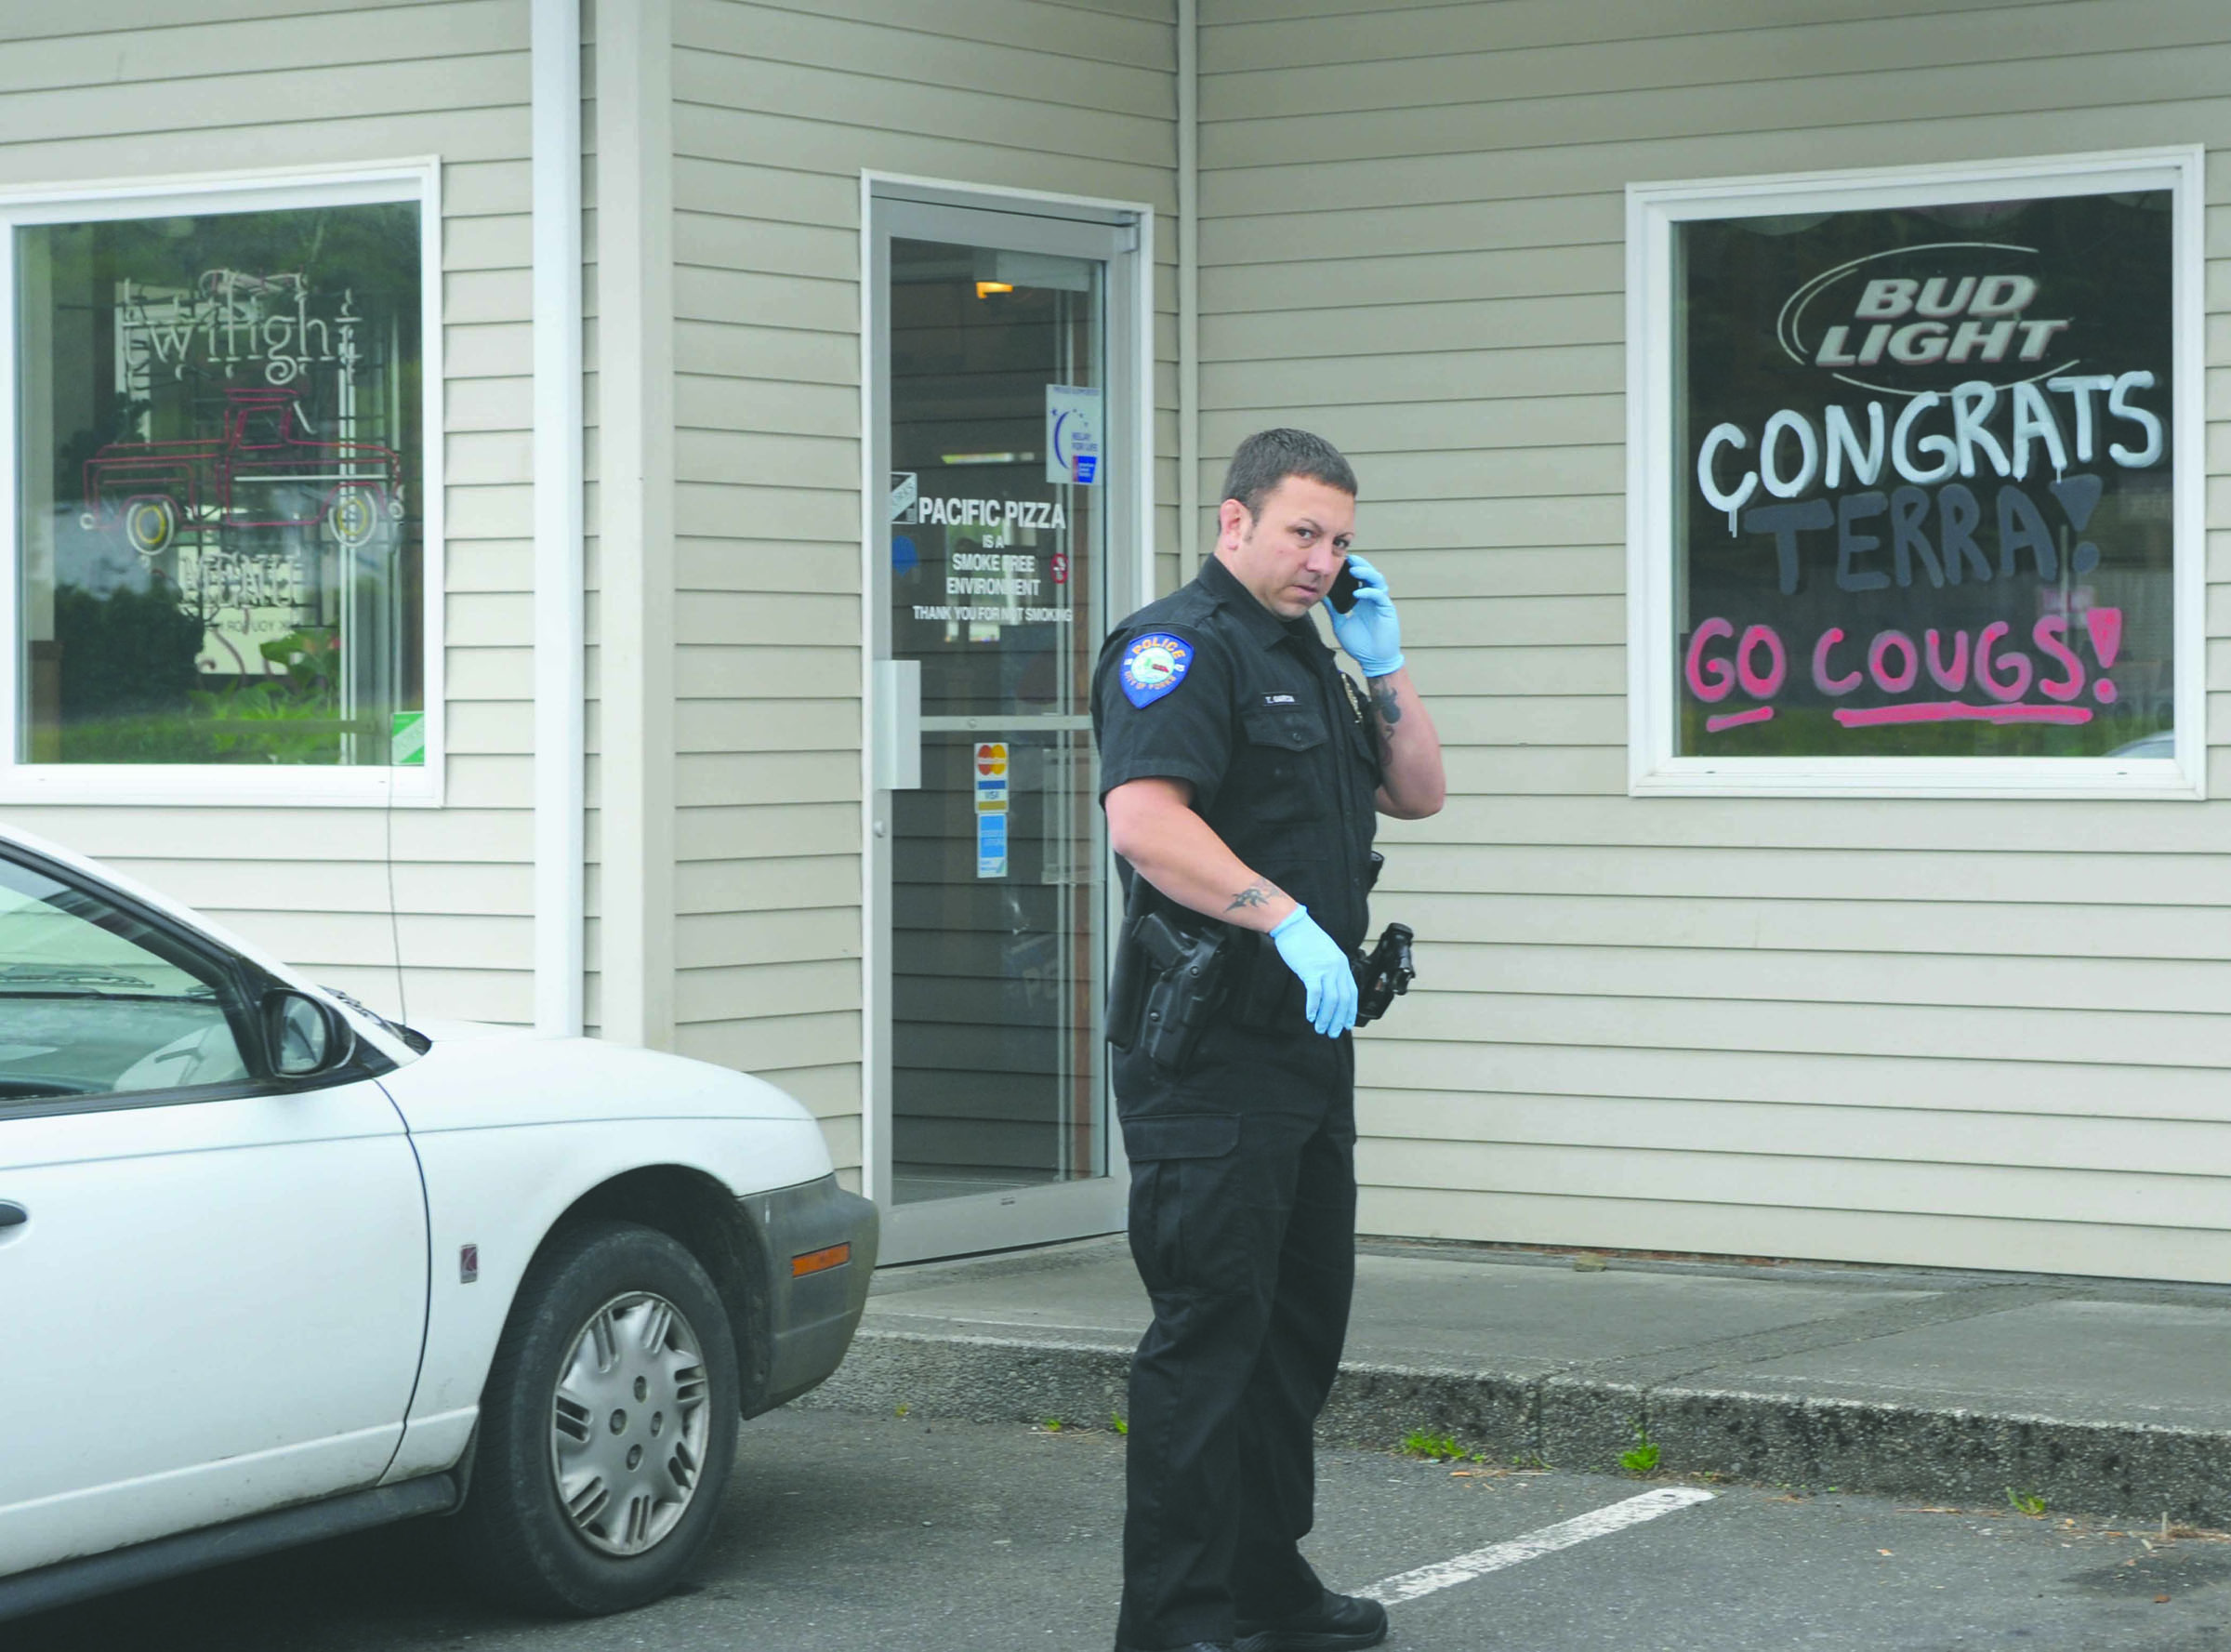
x=1643, y=1458
x=1433, y=1448
x=2031, y=1503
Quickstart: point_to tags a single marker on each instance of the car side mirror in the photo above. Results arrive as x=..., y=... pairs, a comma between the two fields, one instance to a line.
x=305, y=1036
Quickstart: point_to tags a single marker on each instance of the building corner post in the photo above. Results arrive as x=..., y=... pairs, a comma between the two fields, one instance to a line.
x=635, y=521
x=559, y=678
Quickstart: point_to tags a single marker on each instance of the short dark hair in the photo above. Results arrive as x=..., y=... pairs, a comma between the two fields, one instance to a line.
x=1268, y=457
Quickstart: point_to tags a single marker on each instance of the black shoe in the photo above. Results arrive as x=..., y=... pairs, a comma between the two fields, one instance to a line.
x=1336, y=1623
x=1196, y=1646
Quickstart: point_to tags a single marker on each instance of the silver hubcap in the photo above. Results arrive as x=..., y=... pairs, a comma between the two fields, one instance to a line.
x=628, y=1425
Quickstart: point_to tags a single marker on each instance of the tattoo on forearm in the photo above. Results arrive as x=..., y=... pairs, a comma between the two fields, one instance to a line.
x=1258, y=894
x=1389, y=708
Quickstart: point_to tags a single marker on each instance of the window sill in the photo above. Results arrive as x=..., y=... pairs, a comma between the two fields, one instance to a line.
x=220, y=785
x=2146, y=780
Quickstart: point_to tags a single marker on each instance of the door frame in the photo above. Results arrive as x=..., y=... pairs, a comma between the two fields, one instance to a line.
x=991, y=1220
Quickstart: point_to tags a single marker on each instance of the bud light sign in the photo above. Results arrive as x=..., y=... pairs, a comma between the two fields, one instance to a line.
x=1925, y=479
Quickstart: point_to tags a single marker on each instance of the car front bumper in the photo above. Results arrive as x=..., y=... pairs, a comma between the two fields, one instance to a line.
x=817, y=1247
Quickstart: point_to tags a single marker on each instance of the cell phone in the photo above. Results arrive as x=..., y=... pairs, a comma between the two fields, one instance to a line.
x=1344, y=586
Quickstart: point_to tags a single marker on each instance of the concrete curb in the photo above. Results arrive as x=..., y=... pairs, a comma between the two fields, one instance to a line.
x=2126, y=1470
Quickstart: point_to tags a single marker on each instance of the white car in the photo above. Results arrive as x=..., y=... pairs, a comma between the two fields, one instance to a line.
x=272, y=1268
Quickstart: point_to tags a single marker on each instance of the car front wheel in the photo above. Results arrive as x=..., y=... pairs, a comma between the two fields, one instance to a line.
x=608, y=1427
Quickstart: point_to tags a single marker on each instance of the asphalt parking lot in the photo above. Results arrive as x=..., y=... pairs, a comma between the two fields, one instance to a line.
x=849, y=1531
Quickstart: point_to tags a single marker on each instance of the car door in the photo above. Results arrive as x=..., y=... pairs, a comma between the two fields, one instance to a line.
x=212, y=1283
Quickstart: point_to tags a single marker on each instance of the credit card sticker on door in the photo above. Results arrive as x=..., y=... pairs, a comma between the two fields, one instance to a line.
x=990, y=767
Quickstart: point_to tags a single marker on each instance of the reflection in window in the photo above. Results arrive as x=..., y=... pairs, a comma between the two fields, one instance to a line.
x=994, y=535
x=998, y=376
x=94, y=1002
x=220, y=530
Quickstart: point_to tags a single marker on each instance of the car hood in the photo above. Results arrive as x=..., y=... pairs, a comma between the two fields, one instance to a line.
x=451, y=1032
x=475, y=1077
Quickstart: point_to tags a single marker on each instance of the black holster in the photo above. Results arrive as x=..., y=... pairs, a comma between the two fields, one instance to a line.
x=1172, y=974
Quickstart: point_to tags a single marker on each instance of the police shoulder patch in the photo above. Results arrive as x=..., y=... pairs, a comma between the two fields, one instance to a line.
x=1153, y=664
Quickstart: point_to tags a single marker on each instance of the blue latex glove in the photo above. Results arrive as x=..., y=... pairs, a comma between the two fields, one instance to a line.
x=1317, y=958
x=1369, y=630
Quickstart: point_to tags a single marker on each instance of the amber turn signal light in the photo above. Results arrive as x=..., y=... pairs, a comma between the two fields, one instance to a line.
x=820, y=1261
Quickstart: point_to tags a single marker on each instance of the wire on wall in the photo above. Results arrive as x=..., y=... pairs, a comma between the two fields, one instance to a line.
x=402, y=1002
x=1189, y=290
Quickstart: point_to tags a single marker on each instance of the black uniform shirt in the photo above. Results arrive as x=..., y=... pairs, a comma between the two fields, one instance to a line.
x=1268, y=730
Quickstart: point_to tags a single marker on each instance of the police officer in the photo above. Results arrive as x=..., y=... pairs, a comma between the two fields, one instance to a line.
x=1241, y=771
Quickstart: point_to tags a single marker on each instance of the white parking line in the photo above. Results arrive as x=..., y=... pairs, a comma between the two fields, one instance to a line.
x=1597, y=1523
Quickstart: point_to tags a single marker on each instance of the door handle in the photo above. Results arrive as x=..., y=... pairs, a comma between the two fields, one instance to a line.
x=12, y=1215
x=895, y=732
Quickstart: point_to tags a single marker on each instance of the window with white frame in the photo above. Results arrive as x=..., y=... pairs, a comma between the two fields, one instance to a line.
x=1917, y=481
x=222, y=512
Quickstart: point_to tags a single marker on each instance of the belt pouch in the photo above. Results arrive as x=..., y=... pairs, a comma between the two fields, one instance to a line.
x=1126, y=985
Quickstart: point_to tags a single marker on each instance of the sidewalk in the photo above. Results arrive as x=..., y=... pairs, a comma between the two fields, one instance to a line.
x=2110, y=1398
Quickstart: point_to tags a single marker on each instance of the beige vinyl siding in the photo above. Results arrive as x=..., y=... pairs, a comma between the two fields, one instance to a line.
x=431, y=907
x=778, y=109
x=1990, y=1033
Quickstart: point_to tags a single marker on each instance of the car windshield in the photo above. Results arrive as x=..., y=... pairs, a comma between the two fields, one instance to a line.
x=93, y=1001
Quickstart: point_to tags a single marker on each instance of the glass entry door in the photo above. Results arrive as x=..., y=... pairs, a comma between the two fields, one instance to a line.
x=1003, y=419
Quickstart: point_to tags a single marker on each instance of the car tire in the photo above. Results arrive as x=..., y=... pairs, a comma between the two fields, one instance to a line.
x=618, y=1350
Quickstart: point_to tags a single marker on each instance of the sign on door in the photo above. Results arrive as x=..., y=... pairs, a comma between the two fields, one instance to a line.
x=991, y=809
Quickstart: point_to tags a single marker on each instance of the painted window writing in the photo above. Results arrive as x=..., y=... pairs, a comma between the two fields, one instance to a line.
x=217, y=475
x=1925, y=481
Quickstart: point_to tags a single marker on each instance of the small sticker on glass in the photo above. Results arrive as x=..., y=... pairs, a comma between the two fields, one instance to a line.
x=407, y=740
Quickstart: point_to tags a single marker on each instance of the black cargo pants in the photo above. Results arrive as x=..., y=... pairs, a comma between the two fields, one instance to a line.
x=1242, y=1226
